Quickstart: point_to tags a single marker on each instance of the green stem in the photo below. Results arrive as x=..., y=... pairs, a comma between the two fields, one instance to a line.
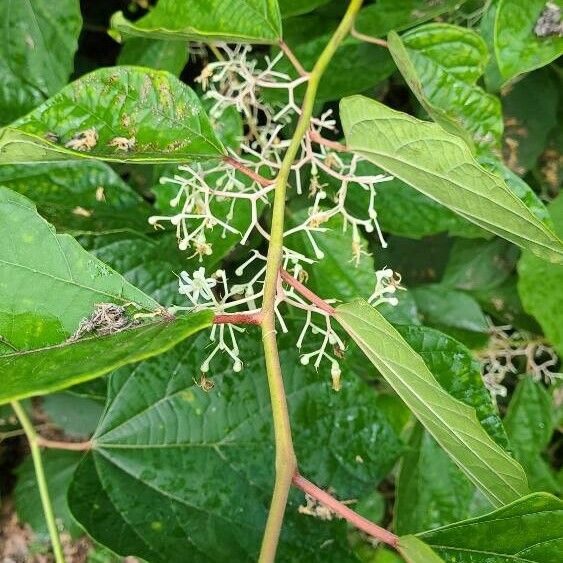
x=286, y=463
x=33, y=439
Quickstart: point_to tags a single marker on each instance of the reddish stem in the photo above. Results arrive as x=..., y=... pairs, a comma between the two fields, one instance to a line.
x=293, y=59
x=316, y=138
x=59, y=445
x=238, y=319
x=247, y=171
x=348, y=514
x=312, y=297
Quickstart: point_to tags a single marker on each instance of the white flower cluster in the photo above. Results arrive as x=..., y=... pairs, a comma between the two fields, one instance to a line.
x=210, y=194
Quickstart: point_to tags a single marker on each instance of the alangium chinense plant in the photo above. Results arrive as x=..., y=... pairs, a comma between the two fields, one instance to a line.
x=267, y=214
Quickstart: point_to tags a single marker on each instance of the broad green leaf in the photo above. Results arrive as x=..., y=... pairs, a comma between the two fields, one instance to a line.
x=236, y=21
x=118, y=114
x=49, y=285
x=453, y=424
x=79, y=196
x=385, y=15
x=453, y=312
x=526, y=531
x=441, y=63
x=402, y=210
x=407, y=147
x=528, y=123
x=529, y=423
x=539, y=286
x=174, y=468
x=59, y=466
x=431, y=490
x=415, y=550
x=153, y=53
x=522, y=41
x=457, y=372
x=518, y=187
x=43, y=370
x=39, y=39
x=48, y=282
x=479, y=265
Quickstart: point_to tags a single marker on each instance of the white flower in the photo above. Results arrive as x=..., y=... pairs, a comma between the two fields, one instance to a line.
x=386, y=284
x=197, y=286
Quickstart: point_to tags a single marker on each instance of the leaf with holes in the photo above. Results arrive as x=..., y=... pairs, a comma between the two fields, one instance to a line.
x=121, y=114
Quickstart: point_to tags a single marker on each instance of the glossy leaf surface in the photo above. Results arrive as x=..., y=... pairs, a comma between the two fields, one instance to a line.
x=118, y=114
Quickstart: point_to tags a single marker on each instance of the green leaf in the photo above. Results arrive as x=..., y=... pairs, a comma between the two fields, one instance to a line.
x=414, y=550
x=431, y=490
x=79, y=196
x=539, y=286
x=454, y=312
x=457, y=372
x=43, y=370
x=402, y=210
x=151, y=264
x=441, y=63
x=383, y=16
x=174, y=468
x=152, y=53
x=407, y=147
x=118, y=114
x=530, y=424
x=479, y=264
x=526, y=531
x=235, y=21
x=59, y=466
x=49, y=282
x=518, y=45
x=518, y=187
x=453, y=424
x=39, y=39
x=49, y=285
